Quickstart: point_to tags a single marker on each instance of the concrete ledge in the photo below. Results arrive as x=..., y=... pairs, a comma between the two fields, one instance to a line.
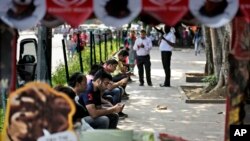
x=212, y=101
x=201, y=101
x=194, y=77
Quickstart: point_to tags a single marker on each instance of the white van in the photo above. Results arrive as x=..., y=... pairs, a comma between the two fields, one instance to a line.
x=26, y=57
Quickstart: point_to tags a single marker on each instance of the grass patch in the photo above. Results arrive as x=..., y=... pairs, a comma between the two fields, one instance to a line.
x=59, y=76
x=1, y=119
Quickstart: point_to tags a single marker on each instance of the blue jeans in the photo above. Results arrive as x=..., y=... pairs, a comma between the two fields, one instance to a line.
x=116, y=95
x=101, y=122
x=109, y=121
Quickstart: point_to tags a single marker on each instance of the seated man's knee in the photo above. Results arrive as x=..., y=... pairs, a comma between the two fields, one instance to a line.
x=104, y=122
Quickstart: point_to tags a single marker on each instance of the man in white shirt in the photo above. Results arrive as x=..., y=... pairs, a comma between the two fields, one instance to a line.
x=142, y=46
x=167, y=43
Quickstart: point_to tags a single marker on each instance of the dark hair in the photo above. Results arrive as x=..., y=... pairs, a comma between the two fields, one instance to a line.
x=123, y=53
x=143, y=31
x=66, y=90
x=111, y=62
x=166, y=29
x=102, y=74
x=76, y=77
x=94, y=69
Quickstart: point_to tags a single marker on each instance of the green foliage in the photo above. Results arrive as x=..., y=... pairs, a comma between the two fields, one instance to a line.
x=59, y=76
x=211, y=80
x=1, y=119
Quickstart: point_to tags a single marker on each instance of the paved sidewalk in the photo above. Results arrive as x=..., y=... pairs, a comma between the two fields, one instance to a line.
x=195, y=122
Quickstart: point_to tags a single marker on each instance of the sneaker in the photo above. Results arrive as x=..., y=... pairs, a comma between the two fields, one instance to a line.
x=150, y=84
x=141, y=84
x=121, y=114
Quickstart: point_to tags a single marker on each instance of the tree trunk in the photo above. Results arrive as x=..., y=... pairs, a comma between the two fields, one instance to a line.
x=209, y=67
x=216, y=49
x=222, y=79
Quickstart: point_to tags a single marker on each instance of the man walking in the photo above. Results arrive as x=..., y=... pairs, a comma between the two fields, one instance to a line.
x=142, y=46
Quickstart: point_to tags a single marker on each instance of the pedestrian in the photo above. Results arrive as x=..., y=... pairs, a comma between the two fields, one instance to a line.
x=132, y=53
x=71, y=45
x=197, y=41
x=166, y=45
x=142, y=46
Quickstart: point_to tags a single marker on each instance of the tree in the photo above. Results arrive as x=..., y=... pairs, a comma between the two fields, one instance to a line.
x=217, y=42
x=209, y=67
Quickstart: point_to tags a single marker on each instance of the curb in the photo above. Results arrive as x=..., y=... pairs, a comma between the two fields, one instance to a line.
x=201, y=101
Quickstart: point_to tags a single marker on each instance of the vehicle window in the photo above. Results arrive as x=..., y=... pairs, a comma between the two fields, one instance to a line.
x=29, y=49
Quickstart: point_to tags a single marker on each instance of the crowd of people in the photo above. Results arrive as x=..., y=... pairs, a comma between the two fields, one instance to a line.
x=99, y=95
x=72, y=37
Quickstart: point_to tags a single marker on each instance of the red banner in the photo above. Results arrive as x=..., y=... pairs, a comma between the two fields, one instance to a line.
x=245, y=9
x=168, y=11
x=74, y=12
x=241, y=39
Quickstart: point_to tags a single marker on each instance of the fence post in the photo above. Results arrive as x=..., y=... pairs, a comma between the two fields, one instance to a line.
x=91, y=47
x=65, y=60
x=100, y=49
x=105, y=46
x=111, y=43
x=94, y=49
x=79, y=51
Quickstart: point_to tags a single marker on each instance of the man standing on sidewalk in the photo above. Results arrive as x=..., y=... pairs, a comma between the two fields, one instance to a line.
x=142, y=46
x=167, y=43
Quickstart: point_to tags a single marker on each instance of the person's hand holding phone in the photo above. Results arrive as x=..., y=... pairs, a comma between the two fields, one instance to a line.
x=142, y=45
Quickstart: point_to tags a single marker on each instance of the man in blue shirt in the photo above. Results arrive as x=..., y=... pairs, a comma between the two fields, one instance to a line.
x=92, y=100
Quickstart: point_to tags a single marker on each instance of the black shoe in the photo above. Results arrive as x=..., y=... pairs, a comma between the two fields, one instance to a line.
x=126, y=94
x=163, y=85
x=124, y=97
x=150, y=84
x=121, y=114
x=141, y=84
x=130, y=80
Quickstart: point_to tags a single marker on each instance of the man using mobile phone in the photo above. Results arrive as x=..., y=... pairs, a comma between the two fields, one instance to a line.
x=143, y=45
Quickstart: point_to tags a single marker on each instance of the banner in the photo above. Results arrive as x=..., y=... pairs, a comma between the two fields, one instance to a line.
x=239, y=75
x=4, y=5
x=51, y=21
x=169, y=12
x=245, y=9
x=24, y=14
x=117, y=12
x=214, y=13
x=38, y=112
x=73, y=12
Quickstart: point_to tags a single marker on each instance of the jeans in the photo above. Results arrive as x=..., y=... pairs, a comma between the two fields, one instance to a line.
x=101, y=122
x=116, y=95
x=109, y=121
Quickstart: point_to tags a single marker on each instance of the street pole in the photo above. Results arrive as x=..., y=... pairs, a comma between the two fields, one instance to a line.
x=65, y=60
